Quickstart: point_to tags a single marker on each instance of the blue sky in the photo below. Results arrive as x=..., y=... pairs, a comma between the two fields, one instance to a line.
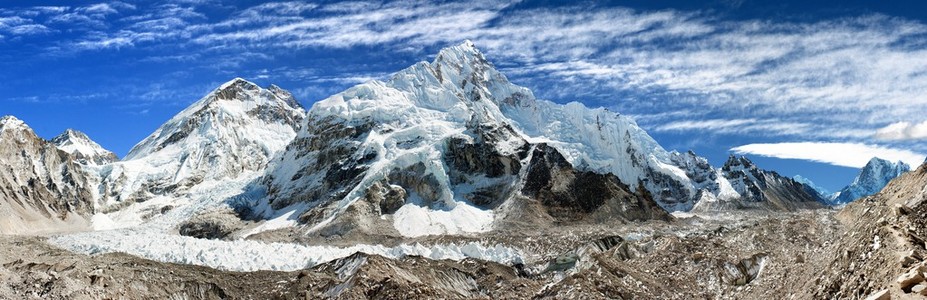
x=828, y=84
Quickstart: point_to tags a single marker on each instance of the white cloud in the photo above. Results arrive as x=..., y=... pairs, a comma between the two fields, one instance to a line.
x=851, y=155
x=104, y=43
x=29, y=29
x=6, y=22
x=105, y=8
x=766, y=127
x=903, y=131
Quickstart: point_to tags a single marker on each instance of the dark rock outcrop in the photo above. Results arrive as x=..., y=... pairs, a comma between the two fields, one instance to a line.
x=571, y=195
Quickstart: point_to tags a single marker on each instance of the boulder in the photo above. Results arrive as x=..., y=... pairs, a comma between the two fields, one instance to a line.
x=880, y=295
x=907, y=280
x=743, y=271
x=920, y=289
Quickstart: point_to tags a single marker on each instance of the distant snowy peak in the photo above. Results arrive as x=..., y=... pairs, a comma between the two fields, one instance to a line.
x=824, y=193
x=234, y=104
x=871, y=179
x=233, y=131
x=83, y=148
x=11, y=123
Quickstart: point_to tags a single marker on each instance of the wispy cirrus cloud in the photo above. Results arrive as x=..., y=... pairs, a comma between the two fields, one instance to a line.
x=856, y=79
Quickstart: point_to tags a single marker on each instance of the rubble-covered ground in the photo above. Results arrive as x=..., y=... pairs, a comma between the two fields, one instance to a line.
x=873, y=247
x=683, y=259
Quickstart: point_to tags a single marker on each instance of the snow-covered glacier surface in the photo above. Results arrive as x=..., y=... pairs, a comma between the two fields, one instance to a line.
x=245, y=255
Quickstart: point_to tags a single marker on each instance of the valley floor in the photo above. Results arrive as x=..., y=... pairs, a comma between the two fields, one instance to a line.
x=748, y=255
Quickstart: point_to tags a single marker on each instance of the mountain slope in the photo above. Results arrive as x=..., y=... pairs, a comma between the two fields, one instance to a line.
x=41, y=187
x=882, y=246
x=227, y=136
x=83, y=148
x=871, y=179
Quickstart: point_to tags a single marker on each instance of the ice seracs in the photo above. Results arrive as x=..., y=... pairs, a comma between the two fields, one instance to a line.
x=83, y=148
x=871, y=179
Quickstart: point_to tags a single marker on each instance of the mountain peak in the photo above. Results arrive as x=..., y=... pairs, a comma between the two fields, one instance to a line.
x=233, y=89
x=81, y=146
x=876, y=161
x=466, y=48
x=71, y=134
x=871, y=179
x=221, y=113
x=11, y=122
x=237, y=81
x=460, y=56
x=738, y=161
x=824, y=193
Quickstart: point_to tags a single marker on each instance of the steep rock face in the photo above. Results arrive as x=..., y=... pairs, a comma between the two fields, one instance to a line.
x=568, y=194
x=231, y=132
x=765, y=189
x=871, y=179
x=41, y=187
x=85, y=150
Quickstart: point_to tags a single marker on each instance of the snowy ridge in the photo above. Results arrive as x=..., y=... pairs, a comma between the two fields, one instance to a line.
x=81, y=146
x=871, y=179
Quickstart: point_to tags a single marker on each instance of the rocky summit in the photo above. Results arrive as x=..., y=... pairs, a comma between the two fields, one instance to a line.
x=443, y=181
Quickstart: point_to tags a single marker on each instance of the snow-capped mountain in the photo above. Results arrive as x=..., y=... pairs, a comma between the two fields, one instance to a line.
x=85, y=150
x=41, y=187
x=823, y=192
x=229, y=134
x=442, y=147
x=870, y=180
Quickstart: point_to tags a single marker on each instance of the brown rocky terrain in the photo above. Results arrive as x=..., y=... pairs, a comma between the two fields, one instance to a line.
x=743, y=256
